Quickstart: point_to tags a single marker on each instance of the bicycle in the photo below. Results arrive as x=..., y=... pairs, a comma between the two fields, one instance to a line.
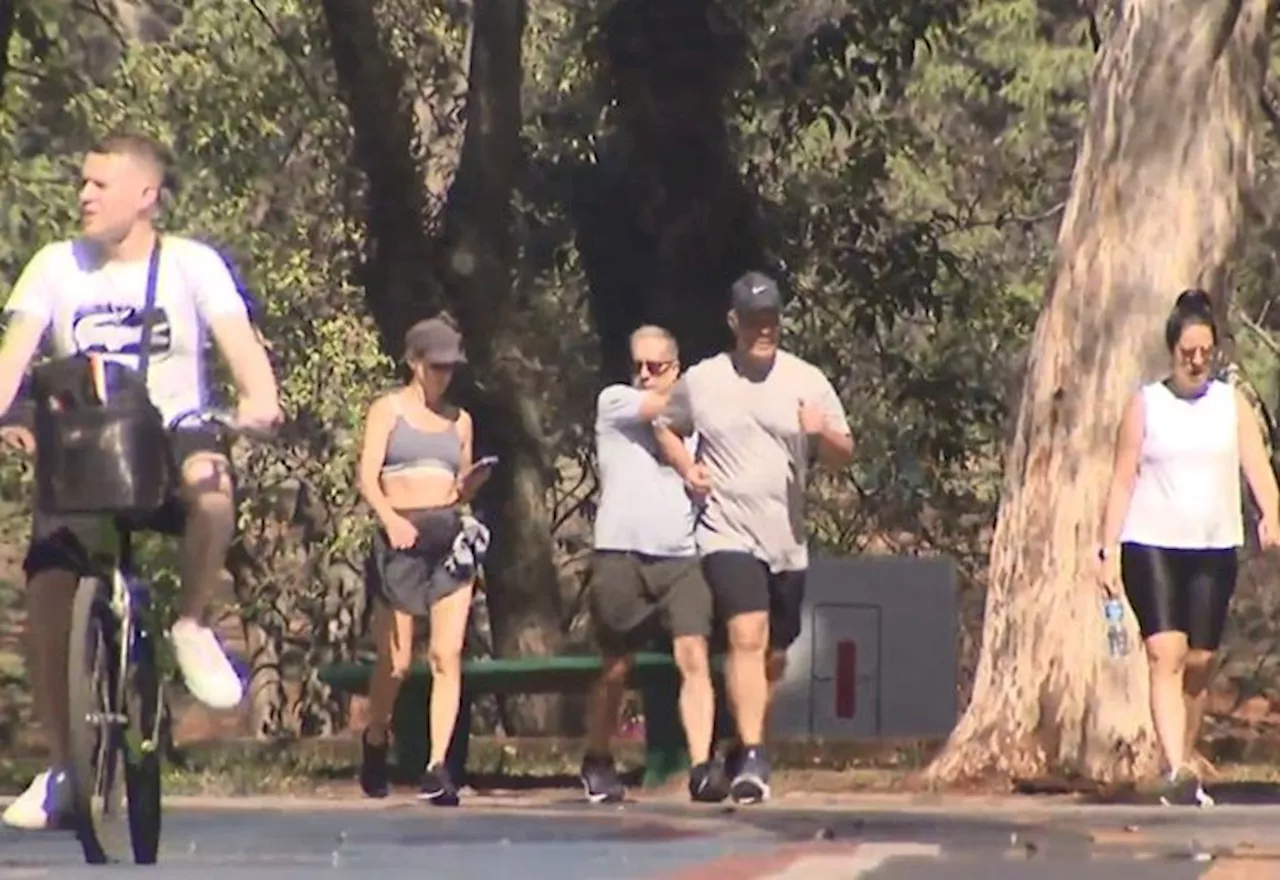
x=116, y=693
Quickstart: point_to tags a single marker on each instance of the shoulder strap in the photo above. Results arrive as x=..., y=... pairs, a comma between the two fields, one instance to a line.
x=149, y=309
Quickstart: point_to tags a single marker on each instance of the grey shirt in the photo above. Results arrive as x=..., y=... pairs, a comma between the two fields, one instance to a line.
x=643, y=504
x=756, y=453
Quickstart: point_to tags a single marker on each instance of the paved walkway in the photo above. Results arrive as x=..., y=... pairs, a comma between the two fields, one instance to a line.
x=554, y=835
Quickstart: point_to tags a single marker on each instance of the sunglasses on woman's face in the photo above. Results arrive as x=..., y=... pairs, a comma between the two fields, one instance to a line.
x=653, y=368
x=1196, y=354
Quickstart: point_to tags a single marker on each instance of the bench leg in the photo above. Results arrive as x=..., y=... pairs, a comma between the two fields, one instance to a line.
x=409, y=722
x=413, y=734
x=666, y=752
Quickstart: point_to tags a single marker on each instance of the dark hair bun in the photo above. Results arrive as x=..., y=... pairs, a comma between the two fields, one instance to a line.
x=1191, y=307
x=1194, y=302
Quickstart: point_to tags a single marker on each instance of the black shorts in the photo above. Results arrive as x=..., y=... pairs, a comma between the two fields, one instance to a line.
x=63, y=543
x=1174, y=590
x=636, y=598
x=741, y=584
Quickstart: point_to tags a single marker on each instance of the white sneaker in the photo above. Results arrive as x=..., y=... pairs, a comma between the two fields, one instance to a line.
x=42, y=807
x=205, y=668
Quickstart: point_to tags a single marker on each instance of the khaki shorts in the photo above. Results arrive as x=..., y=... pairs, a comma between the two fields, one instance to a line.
x=635, y=598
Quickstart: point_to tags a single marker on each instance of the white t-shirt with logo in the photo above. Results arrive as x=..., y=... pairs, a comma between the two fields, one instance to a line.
x=88, y=306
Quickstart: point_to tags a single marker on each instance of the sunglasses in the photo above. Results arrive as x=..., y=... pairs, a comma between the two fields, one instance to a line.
x=1203, y=352
x=654, y=368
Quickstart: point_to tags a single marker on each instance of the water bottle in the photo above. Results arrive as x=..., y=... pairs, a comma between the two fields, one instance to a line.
x=1117, y=638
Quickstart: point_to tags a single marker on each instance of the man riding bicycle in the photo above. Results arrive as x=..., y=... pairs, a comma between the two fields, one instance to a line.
x=88, y=295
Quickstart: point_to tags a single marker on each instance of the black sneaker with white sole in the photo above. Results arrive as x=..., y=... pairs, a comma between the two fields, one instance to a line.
x=751, y=782
x=708, y=783
x=600, y=780
x=1183, y=789
x=437, y=788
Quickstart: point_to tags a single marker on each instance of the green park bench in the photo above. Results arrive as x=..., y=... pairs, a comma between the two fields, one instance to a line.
x=654, y=675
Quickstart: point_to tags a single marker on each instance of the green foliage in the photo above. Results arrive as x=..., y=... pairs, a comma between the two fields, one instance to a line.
x=908, y=166
x=261, y=164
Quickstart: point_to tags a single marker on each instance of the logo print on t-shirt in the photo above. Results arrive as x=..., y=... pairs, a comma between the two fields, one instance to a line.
x=103, y=328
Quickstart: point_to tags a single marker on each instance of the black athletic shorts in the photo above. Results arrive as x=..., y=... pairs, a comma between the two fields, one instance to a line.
x=741, y=584
x=64, y=542
x=1175, y=590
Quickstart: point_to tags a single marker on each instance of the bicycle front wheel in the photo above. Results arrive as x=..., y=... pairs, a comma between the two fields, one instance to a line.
x=143, y=706
x=97, y=725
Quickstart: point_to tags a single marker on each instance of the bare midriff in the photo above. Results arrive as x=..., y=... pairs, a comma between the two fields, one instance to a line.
x=419, y=488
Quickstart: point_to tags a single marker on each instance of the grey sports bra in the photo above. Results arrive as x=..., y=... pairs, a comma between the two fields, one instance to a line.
x=410, y=447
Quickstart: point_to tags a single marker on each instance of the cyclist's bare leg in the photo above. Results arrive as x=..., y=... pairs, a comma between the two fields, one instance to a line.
x=50, y=594
x=210, y=529
x=208, y=532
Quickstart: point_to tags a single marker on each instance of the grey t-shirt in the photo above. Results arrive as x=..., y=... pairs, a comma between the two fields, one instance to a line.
x=643, y=504
x=756, y=453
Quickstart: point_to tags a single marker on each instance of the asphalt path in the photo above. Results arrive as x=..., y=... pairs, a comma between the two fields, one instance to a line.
x=556, y=835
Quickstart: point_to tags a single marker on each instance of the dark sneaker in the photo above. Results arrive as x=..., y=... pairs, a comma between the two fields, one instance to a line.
x=600, y=780
x=375, y=780
x=751, y=782
x=708, y=783
x=437, y=788
x=1182, y=789
x=733, y=760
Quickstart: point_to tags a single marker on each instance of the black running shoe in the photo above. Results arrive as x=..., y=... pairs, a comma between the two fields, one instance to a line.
x=1183, y=789
x=437, y=788
x=600, y=780
x=375, y=779
x=751, y=782
x=708, y=783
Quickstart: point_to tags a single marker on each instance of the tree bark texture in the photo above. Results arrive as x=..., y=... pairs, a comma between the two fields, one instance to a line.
x=8, y=19
x=397, y=272
x=1156, y=206
x=664, y=220
x=478, y=253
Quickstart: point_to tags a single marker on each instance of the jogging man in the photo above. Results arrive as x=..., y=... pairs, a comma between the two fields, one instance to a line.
x=88, y=295
x=645, y=570
x=760, y=415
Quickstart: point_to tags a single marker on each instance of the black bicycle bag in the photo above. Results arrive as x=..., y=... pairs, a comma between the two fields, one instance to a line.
x=94, y=457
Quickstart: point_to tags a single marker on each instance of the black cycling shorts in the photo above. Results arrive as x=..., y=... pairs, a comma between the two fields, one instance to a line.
x=1176, y=590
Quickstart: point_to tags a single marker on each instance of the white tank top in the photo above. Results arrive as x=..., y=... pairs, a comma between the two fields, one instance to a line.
x=1187, y=493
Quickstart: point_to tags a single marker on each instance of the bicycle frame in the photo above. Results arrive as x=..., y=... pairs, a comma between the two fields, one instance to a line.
x=116, y=545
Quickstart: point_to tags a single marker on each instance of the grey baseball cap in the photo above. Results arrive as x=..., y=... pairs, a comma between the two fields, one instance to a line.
x=434, y=341
x=755, y=292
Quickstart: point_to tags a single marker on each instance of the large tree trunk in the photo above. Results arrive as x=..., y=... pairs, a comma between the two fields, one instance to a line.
x=1156, y=207
x=409, y=276
x=479, y=256
x=397, y=273
x=664, y=220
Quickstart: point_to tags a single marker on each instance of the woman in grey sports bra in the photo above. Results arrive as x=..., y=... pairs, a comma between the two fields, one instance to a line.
x=415, y=472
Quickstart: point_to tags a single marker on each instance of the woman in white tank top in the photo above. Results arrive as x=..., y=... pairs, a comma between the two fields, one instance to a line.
x=1173, y=523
